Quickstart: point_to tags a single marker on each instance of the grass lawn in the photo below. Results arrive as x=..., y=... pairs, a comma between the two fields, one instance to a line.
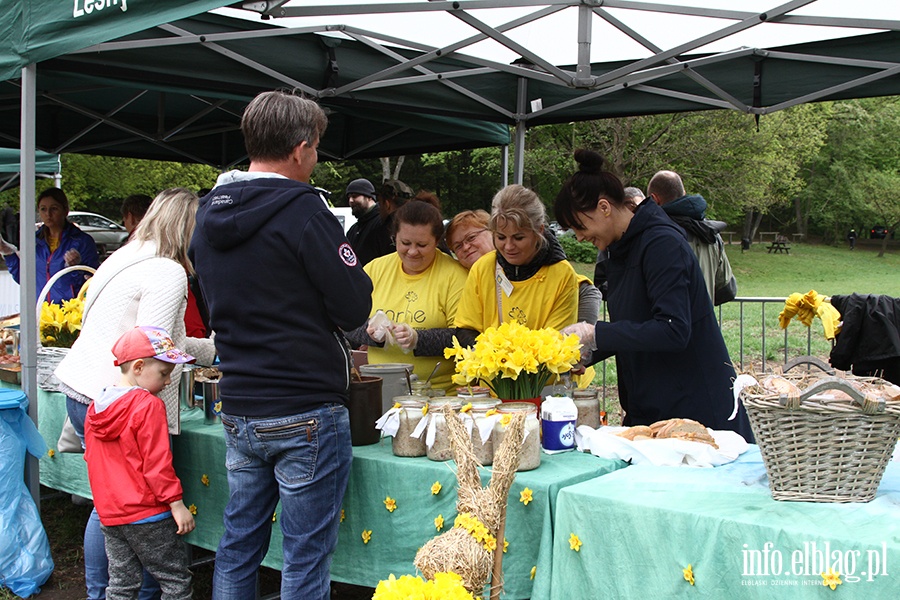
x=829, y=270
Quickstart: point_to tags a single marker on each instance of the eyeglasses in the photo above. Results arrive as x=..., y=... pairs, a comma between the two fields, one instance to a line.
x=467, y=241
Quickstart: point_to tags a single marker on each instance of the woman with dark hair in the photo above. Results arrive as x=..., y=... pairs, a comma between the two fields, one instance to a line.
x=418, y=288
x=670, y=356
x=60, y=244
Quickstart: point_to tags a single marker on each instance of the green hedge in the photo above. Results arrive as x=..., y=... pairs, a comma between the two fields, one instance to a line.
x=582, y=252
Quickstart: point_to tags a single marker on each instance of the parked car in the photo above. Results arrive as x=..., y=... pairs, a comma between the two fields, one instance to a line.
x=879, y=232
x=108, y=235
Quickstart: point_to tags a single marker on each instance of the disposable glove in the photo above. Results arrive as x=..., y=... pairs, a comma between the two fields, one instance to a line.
x=585, y=332
x=406, y=336
x=72, y=257
x=6, y=248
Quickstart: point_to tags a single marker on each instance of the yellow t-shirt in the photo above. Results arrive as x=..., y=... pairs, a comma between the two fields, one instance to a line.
x=425, y=301
x=547, y=299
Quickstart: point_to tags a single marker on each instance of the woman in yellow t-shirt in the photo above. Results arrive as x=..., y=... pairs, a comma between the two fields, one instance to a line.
x=418, y=288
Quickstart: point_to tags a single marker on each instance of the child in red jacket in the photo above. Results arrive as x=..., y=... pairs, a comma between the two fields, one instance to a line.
x=136, y=491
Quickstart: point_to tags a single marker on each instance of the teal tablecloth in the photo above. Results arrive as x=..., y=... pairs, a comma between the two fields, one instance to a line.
x=641, y=526
x=199, y=456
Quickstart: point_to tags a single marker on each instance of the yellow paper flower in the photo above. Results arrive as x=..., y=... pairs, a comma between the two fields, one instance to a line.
x=533, y=571
x=505, y=545
x=343, y=515
x=425, y=409
x=366, y=535
x=51, y=453
x=831, y=578
x=397, y=405
x=466, y=408
x=574, y=542
x=390, y=504
x=689, y=574
x=526, y=496
x=490, y=544
x=436, y=488
x=505, y=419
x=491, y=412
x=193, y=509
x=439, y=522
x=205, y=480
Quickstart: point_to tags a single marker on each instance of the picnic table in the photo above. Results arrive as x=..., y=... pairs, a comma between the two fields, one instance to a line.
x=779, y=245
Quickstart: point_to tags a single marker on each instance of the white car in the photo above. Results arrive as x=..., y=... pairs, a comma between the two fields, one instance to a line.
x=108, y=235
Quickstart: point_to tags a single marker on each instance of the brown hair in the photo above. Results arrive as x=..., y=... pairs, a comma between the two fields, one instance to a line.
x=274, y=123
x=419, y=212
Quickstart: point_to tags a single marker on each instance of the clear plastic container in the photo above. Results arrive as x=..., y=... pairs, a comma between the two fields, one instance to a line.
x=484, y=452
x=530, y=456
x=403, y=444
x=440, y=449
x=588, y=407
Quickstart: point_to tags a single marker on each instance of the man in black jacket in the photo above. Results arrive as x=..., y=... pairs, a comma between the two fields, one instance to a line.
x=369, y=236
x=281, y=282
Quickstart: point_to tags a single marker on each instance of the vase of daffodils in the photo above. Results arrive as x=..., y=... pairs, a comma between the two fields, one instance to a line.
x=515, y=362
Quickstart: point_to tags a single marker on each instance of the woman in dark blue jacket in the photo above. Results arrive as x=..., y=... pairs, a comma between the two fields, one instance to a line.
x=60, y=244
x=670, y=356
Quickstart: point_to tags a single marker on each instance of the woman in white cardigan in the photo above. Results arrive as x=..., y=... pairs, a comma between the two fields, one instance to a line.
x=143, y=283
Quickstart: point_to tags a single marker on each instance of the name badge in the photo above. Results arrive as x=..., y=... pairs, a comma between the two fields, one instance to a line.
x=504, y=283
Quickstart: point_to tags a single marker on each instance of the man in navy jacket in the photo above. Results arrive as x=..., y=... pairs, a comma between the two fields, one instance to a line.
x=281, y=282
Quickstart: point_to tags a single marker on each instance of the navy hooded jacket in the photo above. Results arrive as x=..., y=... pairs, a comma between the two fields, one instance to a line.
x=670, y=356
x=281, y=282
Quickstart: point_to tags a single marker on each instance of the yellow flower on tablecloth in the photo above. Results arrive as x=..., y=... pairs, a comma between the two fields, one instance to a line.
x=831, y=578
x=505, y=545
x=390, y=504
x=439, y=522
x=343, y=515
x=274, y=516
x=689, y=574
x=51, y=453
x=574, y=542
x=436, y=488
x=526, y=496
x=205, y=480
x=193, y=509
x=533, y=571
x=366, y=535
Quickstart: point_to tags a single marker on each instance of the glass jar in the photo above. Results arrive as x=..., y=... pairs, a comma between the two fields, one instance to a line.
x=403, y=444
x=484, y=451
x=470, y=392
x=588, y=406
x=530, y=456
x=423, y=388
x=440, y=450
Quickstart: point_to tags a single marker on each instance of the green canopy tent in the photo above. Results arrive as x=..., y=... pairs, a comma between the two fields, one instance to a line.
x=45, y=164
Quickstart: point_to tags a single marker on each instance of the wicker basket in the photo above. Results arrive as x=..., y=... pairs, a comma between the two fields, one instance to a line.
x=47, y=357
x=818, y=449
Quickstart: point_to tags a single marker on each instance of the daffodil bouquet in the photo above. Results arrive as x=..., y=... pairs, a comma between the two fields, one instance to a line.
x=515, y=362
x=61, y=323
x=445, y=586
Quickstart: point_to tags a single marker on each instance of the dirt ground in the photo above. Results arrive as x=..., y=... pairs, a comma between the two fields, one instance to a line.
x=64, y=523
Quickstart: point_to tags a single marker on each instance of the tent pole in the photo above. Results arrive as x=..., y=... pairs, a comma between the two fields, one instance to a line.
x=504, y=166
x=519, y=167
x=27, y=283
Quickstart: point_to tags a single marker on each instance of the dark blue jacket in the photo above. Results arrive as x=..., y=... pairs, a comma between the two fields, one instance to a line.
x=281, y=282
x=670, y=355
x=48, y=264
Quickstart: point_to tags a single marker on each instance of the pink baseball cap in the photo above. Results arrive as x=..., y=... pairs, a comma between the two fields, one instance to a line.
x=148, y=342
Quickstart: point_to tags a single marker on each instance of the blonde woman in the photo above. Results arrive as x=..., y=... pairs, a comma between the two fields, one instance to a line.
x=143, y=283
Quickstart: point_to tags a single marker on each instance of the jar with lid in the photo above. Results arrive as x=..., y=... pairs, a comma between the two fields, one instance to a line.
x=530, y=456
x=588, y=407
x=468, y=392
x=477, y=418
x=411, y=412
x=437, y=433
x=423, y=388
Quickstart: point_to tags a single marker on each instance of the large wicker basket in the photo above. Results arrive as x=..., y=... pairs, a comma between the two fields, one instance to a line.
x=818, y=448
x=48, y=357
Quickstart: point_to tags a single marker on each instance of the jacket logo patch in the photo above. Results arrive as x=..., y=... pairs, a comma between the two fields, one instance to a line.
x=347, y=255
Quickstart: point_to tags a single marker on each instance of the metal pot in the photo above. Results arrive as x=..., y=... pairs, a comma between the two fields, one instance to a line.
x=212, y=408
x=186, y=398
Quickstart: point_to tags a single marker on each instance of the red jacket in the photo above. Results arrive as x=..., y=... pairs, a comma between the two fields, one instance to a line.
x=128, y=457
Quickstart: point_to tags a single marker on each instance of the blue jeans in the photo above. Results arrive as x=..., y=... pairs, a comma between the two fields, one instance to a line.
x=96, y=565
x=303, y=460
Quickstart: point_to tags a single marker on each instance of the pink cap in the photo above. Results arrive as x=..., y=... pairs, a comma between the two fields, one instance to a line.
x=148, y=342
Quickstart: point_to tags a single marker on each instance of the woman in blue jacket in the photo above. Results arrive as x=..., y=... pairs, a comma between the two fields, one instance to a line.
x=60, y=244
x=670, y=356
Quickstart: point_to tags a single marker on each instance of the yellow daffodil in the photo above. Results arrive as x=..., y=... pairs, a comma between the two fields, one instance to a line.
x=60, y=324
x=491, y=412
x=436, y=488
x=51, y=453
x=366, y=535
x=390, y=504
x=689, y=574
x=466, y=408
x=490, y=544
x=343, y=515
x=439, y=522
x=526, y=496
x=574, y=542
x=193, y=509
x=505, y=545
x=533, y=571
x=205, y=480
x=831, y=578
x=446, y=586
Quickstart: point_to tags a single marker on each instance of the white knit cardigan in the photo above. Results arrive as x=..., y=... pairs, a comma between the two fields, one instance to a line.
x=149, y=292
